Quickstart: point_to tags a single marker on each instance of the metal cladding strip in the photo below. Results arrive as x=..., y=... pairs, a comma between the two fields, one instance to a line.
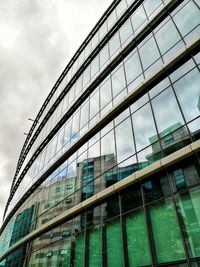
x=116, y=110
x=139, y=175
x=141, y=35
x=111, y=32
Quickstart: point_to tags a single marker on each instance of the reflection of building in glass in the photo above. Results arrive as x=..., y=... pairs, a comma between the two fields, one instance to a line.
x=110, y=176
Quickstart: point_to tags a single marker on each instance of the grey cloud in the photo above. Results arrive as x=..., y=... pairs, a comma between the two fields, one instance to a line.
x=37, y=40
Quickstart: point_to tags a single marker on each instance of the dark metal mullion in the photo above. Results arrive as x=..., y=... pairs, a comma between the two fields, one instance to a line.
x=178, y=217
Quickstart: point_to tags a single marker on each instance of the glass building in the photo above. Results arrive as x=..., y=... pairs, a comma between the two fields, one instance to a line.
x=109, y=174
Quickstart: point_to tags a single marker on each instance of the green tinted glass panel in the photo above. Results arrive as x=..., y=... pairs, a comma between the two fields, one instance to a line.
x=113, y=244
x=95, y=248
x=65, y=255
x=78, y=256
x=137, y=244
x=168, y=243
x=189, y=209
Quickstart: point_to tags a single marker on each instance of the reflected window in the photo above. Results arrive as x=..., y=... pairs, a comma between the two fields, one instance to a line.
x=131, y=197
x=156, y=187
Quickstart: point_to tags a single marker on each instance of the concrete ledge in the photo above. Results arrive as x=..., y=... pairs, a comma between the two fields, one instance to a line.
x=195, y=146
x=176, y=156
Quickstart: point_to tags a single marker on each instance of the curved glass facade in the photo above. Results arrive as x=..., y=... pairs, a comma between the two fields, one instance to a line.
x=126, y=104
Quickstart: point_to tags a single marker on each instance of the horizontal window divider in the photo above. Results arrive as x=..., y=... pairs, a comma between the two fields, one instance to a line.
x=140, y=90
x=102, y=195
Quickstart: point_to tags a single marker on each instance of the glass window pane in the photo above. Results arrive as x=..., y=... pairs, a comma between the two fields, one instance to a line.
x=137, y=241
x=112, y=18
x=185, y=174
x=103, y=30
x=188, y=205
x=94, y=104
x=95, y=66
x=114, y=44
x=188, y=91
x=132, y=67
x=125, y=31
x=113, y=244
x=118, y=81
x=138, y=18
x=79, y=253
x=151, y=6
x=105, y=93
x=187, y=18
x=166, y=234
x=167, y=36
x=124, y=140
x=75, y=124
x=143, y=131
x=95, y=40
x=149, y=53
x=108, y=144
x=104, y=55
x=86, y=76
x=131, y=197
x=84, y=114
x=121, y=7
x=156, y=187
x=94, y=248
x=167, y=112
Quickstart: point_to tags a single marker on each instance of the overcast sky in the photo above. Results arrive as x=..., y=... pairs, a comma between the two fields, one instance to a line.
x=38, y=38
